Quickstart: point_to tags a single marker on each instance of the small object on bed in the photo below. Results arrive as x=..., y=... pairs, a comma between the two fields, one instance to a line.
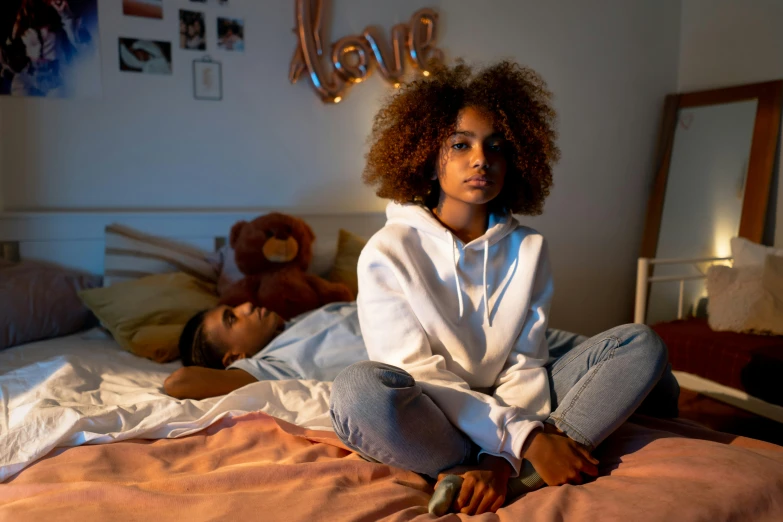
x=274, y=252
x=444, y=494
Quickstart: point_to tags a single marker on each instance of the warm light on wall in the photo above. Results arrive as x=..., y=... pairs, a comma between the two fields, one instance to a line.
x=724, y=230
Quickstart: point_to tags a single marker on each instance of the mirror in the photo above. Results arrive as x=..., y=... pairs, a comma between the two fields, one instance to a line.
x=716, y=155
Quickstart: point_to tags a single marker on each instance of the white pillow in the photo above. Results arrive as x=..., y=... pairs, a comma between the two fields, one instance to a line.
x=747, y=299
x=748, y=253
x=132, y=254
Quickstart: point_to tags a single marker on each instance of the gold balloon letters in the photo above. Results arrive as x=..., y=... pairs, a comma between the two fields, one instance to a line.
x=353, y=56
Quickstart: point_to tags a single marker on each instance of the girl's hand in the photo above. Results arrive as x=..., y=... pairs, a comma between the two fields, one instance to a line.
x=559, y=459
x=484, y=487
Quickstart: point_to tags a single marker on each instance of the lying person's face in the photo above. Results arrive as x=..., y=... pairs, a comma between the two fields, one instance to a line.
x=241, y=331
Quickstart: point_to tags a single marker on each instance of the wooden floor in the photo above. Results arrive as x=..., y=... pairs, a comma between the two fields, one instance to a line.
x=723, y=417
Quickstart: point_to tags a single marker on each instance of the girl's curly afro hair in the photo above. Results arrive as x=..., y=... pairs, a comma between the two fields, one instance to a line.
x=409, y=131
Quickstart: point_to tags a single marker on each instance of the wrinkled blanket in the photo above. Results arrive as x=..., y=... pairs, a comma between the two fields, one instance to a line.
x=255, y=467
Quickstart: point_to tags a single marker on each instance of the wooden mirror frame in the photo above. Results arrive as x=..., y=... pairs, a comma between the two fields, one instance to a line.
x=762, y=155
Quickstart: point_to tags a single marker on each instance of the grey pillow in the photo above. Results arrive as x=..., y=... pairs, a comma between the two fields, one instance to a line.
x=39, y=301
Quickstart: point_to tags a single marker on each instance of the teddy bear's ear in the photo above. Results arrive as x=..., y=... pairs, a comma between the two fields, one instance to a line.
x=235, y=231
x=309, y=232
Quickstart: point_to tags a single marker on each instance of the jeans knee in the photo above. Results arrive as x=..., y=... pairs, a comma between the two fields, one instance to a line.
x=651, y=347
x=367, y=382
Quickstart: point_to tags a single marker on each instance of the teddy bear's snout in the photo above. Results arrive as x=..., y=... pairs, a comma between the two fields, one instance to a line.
x=280, y=250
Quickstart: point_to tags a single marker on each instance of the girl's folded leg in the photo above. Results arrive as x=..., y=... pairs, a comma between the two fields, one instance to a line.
x=596, y=385
x=379, y=411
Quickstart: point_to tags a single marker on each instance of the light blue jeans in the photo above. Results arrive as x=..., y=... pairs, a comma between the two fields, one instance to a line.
x=380, y=412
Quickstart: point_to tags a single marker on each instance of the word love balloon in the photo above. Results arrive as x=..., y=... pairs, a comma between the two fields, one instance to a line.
x=352, y=56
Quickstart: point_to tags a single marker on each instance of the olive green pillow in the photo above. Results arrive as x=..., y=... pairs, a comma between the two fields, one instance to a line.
x=146, y=316
x=349, y=246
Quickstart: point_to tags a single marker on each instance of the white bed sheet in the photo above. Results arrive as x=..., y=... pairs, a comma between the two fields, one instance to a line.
x=84, y=389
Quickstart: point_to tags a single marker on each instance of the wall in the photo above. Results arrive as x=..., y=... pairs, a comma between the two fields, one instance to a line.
x=148, y=144
x=725, y=42
x=2, y=163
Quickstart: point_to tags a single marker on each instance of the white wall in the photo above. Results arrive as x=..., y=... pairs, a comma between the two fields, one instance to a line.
x=726, y=42
x=148, y=144
x=2, y=162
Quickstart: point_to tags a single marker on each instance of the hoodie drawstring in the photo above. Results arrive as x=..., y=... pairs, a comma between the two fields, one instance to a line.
x=456, y=279
x=486, y=299
x=456, y=274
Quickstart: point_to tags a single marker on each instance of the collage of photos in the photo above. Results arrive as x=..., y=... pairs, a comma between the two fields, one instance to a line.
x=49, y=48
x=192, y=31
x=231, y=34
x=143, y=8
x=145, y=56
x=155, y=57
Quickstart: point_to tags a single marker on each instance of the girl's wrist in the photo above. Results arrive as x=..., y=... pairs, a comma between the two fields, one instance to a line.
x=495, y=464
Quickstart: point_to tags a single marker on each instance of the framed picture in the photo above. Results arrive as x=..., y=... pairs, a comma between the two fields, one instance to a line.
x=207, y=79
x=144, y=8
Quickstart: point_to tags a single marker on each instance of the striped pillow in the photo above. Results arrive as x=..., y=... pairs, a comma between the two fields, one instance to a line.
x=131, y=254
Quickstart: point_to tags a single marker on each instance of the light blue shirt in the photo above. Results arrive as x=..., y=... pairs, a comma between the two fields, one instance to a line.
x=314, y=345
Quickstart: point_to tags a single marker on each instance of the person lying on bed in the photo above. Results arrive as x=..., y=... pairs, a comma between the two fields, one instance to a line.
x=255, y=344
x=454, y=299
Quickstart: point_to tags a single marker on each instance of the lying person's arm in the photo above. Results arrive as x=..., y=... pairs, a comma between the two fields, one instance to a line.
x=195, y=382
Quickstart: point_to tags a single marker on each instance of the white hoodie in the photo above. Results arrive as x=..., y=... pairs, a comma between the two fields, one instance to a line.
x=467, y=321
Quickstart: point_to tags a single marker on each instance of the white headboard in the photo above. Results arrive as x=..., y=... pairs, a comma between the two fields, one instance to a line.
x=76, y=239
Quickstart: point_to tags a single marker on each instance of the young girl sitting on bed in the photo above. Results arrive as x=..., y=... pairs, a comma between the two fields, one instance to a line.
x=454, y=298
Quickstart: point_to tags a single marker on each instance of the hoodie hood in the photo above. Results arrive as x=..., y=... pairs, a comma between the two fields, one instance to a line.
x=422, y=219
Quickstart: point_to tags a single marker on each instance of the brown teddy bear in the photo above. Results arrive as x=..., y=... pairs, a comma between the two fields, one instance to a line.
x=273, y=252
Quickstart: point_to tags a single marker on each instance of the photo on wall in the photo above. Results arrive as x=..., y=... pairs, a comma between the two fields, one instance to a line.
x=192, y=30
x=143, y=8
x=231, y=34
x=50, y=48
x=145, y=56
x=207, y=79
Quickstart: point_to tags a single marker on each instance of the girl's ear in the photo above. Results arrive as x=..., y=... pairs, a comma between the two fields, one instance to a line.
x=230, y=358
x=434, y=176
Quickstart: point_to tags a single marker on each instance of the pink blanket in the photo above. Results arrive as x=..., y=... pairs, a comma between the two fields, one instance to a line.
x=257, y=468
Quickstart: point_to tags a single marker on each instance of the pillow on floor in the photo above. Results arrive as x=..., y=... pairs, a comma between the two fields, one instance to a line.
x=40, y=301
x=146, y=316
x=747, y=299
x=131, y=254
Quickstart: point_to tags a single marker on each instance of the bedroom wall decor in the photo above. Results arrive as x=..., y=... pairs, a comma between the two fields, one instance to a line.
x=50, y=49
x=352, y=56
x=192, y=30
x=143, y=8
x=207, y=79
x=145, y=56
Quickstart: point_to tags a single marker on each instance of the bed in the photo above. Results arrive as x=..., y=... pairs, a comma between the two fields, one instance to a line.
x=741, y=369
x=88, y=434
